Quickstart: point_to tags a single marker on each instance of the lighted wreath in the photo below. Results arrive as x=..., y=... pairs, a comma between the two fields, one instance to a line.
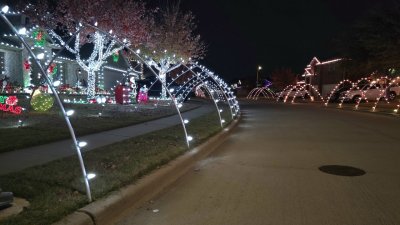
x=53, y=68
x=40, y=38
x=115, y=56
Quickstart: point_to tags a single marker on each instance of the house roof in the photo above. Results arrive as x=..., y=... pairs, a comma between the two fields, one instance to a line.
x=310, y=69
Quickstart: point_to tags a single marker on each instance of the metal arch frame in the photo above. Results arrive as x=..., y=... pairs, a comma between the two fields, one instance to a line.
x=355, y=84
x=195, y=84
x=200, y=79
x=392, y=82
x=281, y=94
x=64, y=113
x=221, y=120
x=196, y=75
x=363, y=97
x=265, y=91
x=224, y=90
x=249, y=96
x=303, y=87
x=234, y=105
x=189, y=85
x=335, y=88
x=232, y=102
x=255, y=93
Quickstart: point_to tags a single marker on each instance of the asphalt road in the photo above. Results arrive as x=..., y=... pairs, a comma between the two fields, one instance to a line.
x=267, y=173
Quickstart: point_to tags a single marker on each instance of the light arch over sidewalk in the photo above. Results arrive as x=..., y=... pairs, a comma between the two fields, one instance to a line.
x=66, y=114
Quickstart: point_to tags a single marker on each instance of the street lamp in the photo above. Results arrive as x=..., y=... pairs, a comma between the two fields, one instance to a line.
x=258, y=69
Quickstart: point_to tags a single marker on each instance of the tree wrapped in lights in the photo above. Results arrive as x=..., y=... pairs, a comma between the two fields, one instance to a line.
x=172, y=42
x=127, y=19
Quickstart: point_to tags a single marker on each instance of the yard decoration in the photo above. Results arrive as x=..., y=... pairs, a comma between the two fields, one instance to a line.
x=122, y=94
x=27, y=69
x=143, y=96
x=168, y=52
x=41, y=102
x=115, y=56
x=40, y=38
x=53, y=68
x=9, y=104
x=83, y=21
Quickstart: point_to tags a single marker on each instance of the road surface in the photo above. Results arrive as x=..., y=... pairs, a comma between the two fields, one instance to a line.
x=267, y=173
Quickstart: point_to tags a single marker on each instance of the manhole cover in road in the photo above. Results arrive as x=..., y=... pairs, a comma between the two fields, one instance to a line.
x=347, y=171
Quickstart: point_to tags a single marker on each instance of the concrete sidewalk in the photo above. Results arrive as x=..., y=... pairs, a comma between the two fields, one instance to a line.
x=20, y=159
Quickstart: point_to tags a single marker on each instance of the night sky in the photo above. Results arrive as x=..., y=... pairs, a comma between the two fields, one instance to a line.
x=287, y=33
x=242, y=34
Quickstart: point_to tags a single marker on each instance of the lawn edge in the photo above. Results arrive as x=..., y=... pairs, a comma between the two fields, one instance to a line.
x=107, y=210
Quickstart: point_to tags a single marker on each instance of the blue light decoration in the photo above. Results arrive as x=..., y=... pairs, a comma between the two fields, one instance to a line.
x=267, y=83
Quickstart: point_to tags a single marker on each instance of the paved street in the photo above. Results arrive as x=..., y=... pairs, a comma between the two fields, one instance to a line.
x=267, y=173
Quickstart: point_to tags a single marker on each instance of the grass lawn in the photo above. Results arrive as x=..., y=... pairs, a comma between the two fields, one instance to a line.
x=44, y=127
x=55, y=190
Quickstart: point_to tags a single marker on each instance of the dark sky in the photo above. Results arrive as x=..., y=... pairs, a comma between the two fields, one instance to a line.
x=242, y=34
x=285, y=33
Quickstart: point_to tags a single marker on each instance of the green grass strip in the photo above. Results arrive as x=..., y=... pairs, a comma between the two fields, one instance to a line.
x=56, y=189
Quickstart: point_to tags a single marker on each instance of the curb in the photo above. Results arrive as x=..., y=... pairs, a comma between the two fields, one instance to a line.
x=107, y=210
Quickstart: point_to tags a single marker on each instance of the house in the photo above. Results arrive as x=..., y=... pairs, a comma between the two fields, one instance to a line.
x=324, y=75
x=19, y=69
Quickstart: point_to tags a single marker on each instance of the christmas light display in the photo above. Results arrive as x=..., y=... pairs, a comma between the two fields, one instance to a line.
x=40, y=37
x=143, y=95
x=356, y=86
x=214, y=85
x=199, y=92
x=337, y=86
x=27, y=70
x=394, y=83
x=303, y=88
x=122, y=94
x=9, y=104
x=115, y=56
x=103, y=48
x=366, y=89
x=218, y=89
x=52, y=69
x=29, y=48
x=2, y=61
x=41, y=102
x=265, y=91
x=298, y=89
x=168, y=52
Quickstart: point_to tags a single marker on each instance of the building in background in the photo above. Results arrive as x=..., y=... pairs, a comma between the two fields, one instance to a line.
x=324, y=75
x=21, y=73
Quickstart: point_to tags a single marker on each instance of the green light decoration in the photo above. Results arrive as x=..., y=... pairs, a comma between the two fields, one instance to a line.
x=40, y=38
x=42, y=102
x=53, y=68
x=115, y=56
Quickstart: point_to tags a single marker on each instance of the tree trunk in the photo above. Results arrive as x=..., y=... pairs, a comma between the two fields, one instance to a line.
x=91, y=84
x=163, y=80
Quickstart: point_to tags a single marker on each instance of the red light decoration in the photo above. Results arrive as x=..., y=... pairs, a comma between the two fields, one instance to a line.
x=27, y=65
x=9, y=104
x=52, y=69
x=122, y=94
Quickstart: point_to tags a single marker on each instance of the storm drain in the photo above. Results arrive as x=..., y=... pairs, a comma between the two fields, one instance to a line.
x=338, y=170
